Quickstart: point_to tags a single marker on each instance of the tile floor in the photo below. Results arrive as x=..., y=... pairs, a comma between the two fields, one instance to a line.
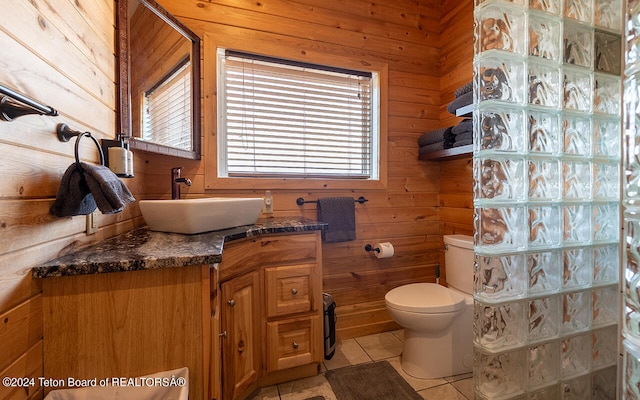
x=383, y=346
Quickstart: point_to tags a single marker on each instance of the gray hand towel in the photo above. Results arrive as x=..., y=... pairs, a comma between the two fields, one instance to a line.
x=466, y=125
x=459, y=102
x=74, y=196
x=463, y=136
x=431, y=148
x=340, y=214
x=449, y=138
x=110, y=194
x=463, y=143
x=466, y=88
x=431, y=137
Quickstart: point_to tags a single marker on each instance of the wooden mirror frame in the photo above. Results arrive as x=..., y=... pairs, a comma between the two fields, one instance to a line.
x=124, y=90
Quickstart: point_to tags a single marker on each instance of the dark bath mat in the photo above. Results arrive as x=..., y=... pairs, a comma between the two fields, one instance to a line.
x=378, y=380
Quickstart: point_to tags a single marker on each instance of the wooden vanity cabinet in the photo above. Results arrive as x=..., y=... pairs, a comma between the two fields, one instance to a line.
x=271, y=311
x=253, y=320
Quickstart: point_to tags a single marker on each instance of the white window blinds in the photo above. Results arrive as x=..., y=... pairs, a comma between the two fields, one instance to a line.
x=291, y=119
x=166, y=116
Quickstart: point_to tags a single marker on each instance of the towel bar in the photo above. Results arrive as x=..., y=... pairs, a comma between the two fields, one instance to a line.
x=300, y=201
x=65, y=133
x=11, y=108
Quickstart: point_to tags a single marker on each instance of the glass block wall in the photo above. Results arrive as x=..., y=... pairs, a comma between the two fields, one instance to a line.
x=547, y=156
x=631, y=270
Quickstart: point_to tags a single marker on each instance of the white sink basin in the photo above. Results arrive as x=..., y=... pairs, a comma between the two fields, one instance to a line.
x=200, y=215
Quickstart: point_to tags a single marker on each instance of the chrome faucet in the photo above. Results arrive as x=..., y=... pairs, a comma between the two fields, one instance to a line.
x=176, y=180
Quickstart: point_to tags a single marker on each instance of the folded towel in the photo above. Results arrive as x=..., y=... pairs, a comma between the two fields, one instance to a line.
x=465, y=125
x=74, y=196
x=110, y=194
x=340, y=214
x=431, y=148
x=449, y=138
x=463, y=136
x=459, y=102
x=466, y=88
x=463, y=143
x=434, y=136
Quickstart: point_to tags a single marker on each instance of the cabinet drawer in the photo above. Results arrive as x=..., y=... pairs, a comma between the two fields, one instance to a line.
x=293, y=342
x=289, y=289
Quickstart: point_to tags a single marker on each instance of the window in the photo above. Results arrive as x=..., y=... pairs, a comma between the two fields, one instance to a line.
x=286, y=119
x=166, y=109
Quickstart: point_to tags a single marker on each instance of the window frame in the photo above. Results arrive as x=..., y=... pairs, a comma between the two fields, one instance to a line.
x=213, y=181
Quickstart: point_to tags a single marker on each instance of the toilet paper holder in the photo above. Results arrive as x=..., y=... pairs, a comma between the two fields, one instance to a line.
x=369, y=247
x=381, y=250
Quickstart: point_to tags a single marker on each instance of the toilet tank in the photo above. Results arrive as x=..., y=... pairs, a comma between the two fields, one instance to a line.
x=458, y=259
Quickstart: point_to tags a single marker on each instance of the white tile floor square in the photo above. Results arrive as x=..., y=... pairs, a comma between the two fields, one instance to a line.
x=383, y=346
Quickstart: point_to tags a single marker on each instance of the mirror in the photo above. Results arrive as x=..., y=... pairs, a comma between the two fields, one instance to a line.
x=159, y=73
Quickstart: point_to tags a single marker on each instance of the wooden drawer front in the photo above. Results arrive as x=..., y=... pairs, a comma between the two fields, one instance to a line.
x=289, y=248
x=293, y=342
x=289, y=289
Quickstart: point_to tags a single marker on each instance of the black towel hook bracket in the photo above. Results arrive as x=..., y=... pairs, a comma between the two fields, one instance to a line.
x=300, y=201
x=65, y=134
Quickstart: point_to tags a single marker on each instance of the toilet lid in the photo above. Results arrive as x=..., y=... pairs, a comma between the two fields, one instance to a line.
x=424, y=298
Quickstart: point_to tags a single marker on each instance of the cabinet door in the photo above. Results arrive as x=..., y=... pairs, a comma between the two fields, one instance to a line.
x=241, y=321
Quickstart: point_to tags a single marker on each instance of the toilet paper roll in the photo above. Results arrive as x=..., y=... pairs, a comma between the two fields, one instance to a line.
x=386, y=250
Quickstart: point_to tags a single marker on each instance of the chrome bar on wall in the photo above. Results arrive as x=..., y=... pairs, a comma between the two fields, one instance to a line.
x=14, y=105
x=300, y=201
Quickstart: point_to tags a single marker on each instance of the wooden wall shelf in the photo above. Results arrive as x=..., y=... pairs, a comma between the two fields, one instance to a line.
x=456, y=152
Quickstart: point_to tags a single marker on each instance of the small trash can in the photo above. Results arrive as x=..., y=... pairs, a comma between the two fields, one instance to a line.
x=172, y=384
x=330, y=319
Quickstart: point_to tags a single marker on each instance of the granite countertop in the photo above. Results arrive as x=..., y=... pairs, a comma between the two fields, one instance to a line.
x=142, y=249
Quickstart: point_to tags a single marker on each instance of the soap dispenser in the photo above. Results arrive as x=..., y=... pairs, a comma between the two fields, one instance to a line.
x=118, y=158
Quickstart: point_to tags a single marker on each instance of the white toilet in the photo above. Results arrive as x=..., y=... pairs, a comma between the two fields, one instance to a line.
x=438, y=320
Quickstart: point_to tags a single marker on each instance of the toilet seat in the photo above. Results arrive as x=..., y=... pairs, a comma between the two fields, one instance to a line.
x=426, y=298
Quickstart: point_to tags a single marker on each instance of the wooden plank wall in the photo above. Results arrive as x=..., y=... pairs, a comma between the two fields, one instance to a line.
x=456, y=60
x=62, y=54
x=405, y=34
